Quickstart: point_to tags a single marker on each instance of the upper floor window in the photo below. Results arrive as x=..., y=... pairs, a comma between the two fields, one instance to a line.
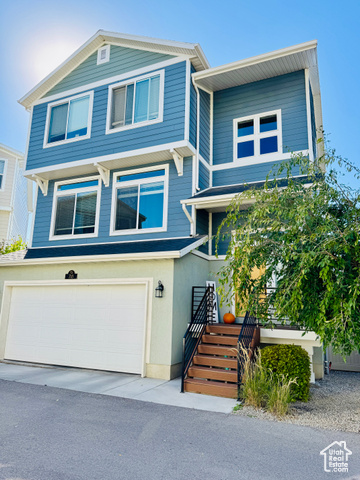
x=69, y=120
x=135, y=103
x=76, y=208
x=140, y=201
x=2, y=174
x=257, y=135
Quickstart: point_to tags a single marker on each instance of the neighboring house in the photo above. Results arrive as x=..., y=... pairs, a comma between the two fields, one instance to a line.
x=15, y=195
x=137, y=147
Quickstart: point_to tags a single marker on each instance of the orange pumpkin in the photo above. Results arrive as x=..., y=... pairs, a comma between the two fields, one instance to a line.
x=229, y=318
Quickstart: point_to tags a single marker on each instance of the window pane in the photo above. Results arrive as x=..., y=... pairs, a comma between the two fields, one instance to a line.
x=151, y=205
x=268, y=145
x=58, y=123
x=74, y=186
x=245, y=149
x=78, y=117
x=64, y=215
x=2, y=166
x=129, y=104
x=139, y=176
x=126, y=208
x=141, y=101
x=268, y=123
x=85, y=213
x=246, y=128
x=118, y=107
x=154, y=97
x=1, y=180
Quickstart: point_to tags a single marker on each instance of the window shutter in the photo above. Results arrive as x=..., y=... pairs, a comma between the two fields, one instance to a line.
x=58, y=123
x=78, y=117
x=118, y=107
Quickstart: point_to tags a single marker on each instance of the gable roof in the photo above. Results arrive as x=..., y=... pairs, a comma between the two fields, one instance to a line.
x=11, y=151
x=101, y=37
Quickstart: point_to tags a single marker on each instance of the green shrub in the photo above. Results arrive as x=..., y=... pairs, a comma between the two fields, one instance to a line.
x=293, y=363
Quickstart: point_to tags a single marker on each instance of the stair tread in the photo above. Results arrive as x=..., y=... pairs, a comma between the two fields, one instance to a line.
x=220, y=339
x=201, y=359
x=233, y=329
x=209, y=387
x=220, y=374
x=216, y=350
x=199, y=381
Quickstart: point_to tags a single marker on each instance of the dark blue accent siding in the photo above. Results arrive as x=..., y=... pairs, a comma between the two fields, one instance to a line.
x=170, y=130
x=250, y=173
x=202, y=227
x=204, y=176
x=313, y=125
x=178, y=225
x=205, y=125
x=193, y=106
x=221, y=247
x=286, y=92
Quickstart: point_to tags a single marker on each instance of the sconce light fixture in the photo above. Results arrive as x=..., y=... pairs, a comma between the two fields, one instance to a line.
x=159, y=290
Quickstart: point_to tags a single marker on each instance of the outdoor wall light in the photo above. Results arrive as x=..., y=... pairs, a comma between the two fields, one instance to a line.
x=159, y=290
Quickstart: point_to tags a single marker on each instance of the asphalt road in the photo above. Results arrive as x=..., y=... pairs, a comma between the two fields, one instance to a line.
x=55, y=434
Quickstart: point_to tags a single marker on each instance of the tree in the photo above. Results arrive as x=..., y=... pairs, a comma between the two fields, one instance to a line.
x=304, y=226
x=13, y=246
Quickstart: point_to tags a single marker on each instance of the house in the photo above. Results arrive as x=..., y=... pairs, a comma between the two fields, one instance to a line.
x=137, y=147
x=15, y=196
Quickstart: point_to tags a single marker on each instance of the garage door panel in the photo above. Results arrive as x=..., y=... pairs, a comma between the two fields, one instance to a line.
x=88, y=326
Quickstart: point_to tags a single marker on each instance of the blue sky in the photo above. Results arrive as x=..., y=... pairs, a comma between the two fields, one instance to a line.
x=36, y=36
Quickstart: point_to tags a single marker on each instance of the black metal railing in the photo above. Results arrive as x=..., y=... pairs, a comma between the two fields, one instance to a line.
x=245, y=339
x=201, y=315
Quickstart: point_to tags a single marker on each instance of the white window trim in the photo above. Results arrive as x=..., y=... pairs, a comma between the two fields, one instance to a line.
x=256, y=136
x=107, y=55
x=136, y=182
x=67, y=100
x=139, y=124
x=5, y=160
x=78, y=190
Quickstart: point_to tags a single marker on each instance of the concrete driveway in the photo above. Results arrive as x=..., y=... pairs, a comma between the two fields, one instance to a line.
x=116, y=385
x=56, y=434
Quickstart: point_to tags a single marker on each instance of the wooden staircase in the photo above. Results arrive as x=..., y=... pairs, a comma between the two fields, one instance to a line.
x=214, y=367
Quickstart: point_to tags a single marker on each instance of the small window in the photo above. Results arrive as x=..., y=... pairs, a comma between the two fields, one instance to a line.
x=135, y=104
x=2, y=174
x=258, y=135
x=103, y=55
x=140, y=201
x=75, y=208
x=69, y=120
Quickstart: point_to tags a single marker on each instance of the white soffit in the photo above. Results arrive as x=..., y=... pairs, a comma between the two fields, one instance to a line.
x=11, y=151
x=268, y=65
x=191, y=50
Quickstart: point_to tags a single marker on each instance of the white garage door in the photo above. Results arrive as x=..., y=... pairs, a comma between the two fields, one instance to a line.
x=88, y=326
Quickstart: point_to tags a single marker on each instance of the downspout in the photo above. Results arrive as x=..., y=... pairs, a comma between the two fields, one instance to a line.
x=191, y=220
x=197, y=131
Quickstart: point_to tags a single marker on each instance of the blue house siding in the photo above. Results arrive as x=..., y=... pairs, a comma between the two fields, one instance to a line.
x=223, y=244
x=205, y=125
x=202, y=227
x=313, y=126
x=122, y=60
x=286, y=92
x=193, y=119
x=250, y=173
x=170, y=130
x=204, y=176
x=178, y=224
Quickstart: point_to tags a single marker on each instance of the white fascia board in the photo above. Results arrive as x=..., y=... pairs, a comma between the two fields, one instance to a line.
x=219, y=200
x=11, y=151
x=193, y=246
x=254, y=60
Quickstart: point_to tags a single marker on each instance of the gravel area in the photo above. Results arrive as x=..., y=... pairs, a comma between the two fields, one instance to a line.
x=334, y=405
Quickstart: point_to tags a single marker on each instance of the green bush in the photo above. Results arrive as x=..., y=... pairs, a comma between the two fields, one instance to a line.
x=291, y=362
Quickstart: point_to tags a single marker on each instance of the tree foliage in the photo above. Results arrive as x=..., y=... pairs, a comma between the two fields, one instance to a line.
x=304, y=226
x=13, y=246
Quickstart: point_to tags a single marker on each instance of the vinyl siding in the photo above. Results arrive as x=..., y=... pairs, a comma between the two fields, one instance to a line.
x=250, y=173
x=221, y=247
x=178, y=224
x=204, y=176
x=193, y=106
x=4, y=223
x=202, y=227
x=20, y=216
x=171, y=129
x=286, y=92
x=122, y=60
x=205, y=125
x=8, y=179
